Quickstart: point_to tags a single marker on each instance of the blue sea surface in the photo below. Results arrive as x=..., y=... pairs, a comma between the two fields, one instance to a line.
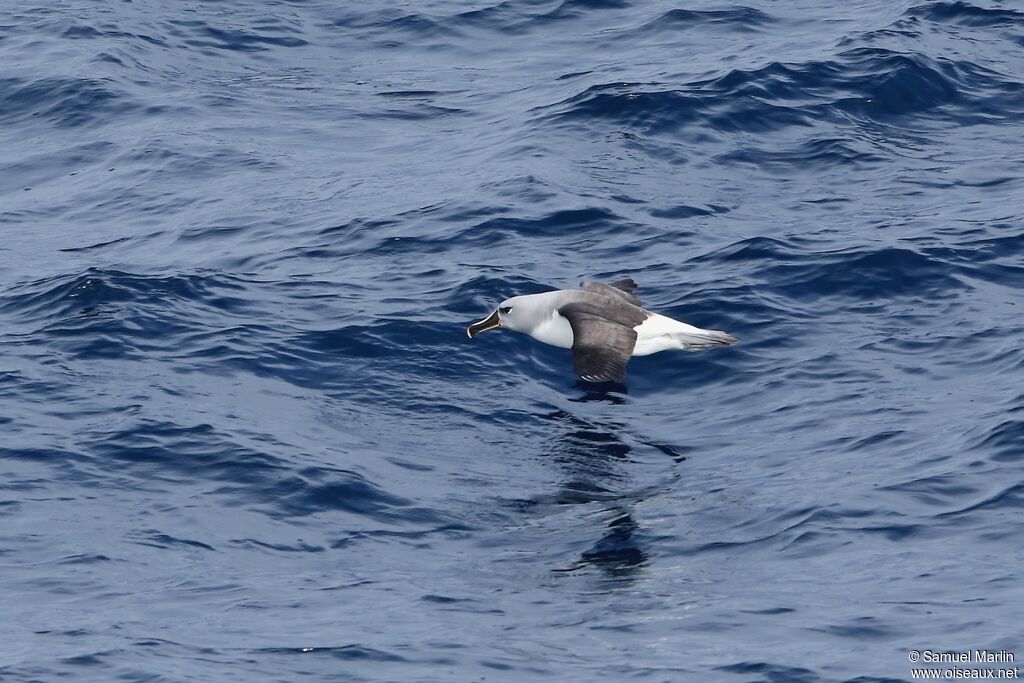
x=245, y=436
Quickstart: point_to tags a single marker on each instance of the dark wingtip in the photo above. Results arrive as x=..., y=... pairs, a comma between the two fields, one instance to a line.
x=595, y=378
x=605, y=374
x=627, y=284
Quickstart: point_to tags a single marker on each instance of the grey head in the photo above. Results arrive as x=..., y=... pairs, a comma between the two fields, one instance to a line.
x=519, y=313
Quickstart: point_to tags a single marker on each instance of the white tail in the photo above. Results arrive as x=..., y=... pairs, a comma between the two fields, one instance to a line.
x=660, y=332
x=701, y=339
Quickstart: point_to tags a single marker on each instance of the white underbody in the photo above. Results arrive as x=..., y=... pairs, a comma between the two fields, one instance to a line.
x=657, y=333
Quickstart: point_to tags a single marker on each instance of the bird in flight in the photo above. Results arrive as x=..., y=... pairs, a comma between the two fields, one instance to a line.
x=604, y=325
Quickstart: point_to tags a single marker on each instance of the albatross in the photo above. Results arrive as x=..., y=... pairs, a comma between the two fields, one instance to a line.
x=604, y=325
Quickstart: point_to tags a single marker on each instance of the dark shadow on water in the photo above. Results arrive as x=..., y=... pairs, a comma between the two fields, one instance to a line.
x=595, y=460
x=617, y=553
x=601, y=391
x=585, y=446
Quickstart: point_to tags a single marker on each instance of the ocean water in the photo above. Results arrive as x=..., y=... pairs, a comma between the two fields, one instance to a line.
x=245, y=436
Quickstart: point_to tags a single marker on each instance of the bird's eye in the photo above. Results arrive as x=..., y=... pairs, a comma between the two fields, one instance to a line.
x=505, y=309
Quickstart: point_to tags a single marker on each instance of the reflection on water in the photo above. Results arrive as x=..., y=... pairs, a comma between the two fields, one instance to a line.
x=600, y=391
x=595, y=461
x=618, y=552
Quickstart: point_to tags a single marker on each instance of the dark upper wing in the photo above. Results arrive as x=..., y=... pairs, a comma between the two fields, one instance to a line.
x=603, y=338
x=622, y=289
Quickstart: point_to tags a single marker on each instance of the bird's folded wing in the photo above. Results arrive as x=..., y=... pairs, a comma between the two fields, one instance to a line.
x=620, y=289
x=603, y=339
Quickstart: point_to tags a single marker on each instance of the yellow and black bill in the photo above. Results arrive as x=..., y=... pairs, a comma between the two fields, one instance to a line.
x=489, y=323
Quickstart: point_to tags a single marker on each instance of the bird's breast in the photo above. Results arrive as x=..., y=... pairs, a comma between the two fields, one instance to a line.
x=556, y=331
